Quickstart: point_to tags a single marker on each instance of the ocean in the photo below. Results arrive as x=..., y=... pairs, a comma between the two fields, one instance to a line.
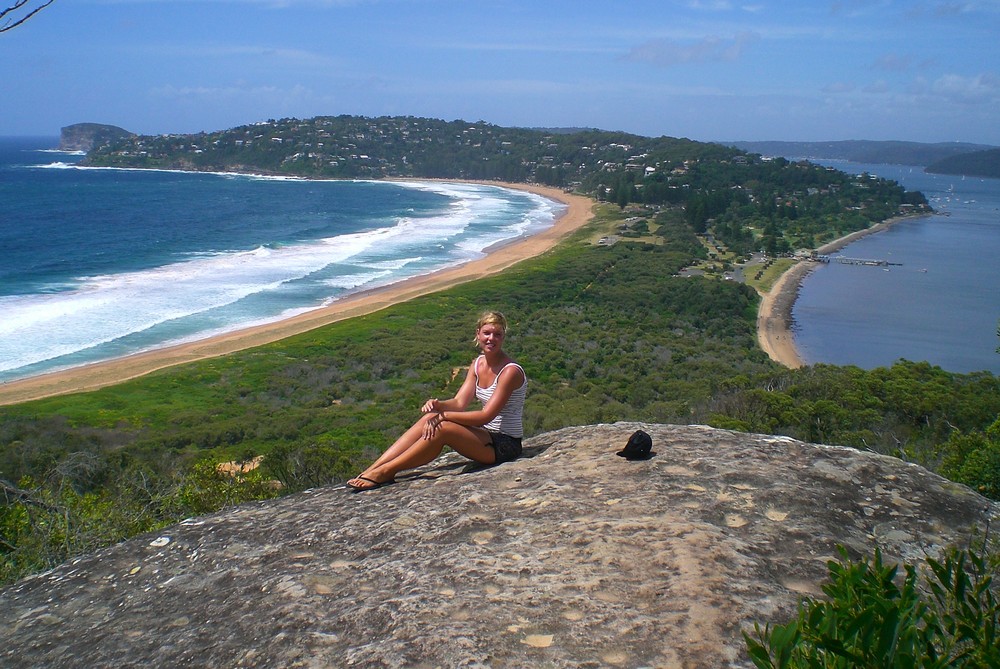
x=100, y=263
x=940, y=304
x=96, y=264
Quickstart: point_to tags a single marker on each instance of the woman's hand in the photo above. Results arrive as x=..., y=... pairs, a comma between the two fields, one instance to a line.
x=430, y=406
x=432, y=425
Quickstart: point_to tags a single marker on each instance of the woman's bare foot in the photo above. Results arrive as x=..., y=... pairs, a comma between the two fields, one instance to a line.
x=365, y=482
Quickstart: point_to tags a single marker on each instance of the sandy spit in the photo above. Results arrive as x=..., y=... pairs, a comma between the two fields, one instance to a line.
x=774, y=316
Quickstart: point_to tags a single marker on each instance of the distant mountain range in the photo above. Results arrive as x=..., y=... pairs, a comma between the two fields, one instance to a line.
x=865, y=151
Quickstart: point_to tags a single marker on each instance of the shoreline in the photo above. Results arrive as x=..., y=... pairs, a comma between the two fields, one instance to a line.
x=498, y=258
x=774, y=315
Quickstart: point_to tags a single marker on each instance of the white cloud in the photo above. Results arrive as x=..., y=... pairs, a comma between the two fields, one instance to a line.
x=968, y=90
x=858, y=8
x=667, y=53
x=952, y=8
x=291, y=56
x=237, y=91
x=526, y=47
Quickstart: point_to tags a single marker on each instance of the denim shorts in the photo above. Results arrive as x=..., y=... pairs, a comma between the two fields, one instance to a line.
x=506, y=447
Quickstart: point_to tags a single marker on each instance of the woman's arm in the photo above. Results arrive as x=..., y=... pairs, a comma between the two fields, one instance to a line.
x=462, y=399
x=510, y=380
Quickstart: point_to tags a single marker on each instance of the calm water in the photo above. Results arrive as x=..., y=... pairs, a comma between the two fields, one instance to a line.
x=941, y=305
x=100, y=263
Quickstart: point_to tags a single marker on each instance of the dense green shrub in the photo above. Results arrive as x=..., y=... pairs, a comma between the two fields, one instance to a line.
x=301, y=467
x=912, y=410
x=974, y=459
x=44, y=525
x=208, y=488
x=871, y=619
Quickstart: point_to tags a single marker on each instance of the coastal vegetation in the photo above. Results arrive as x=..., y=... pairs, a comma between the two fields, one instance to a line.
x=943, y=615
x=747, y=201
x=606, y=332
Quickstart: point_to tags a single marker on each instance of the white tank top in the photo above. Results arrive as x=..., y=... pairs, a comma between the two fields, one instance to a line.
x=510, y=419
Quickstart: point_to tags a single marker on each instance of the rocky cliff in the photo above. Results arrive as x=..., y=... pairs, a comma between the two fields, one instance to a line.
x=85, y=136
x=568, y=557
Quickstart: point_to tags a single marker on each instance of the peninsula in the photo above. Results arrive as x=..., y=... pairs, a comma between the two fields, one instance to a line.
x=734, y=203
x=975, y=164
x=774, y=317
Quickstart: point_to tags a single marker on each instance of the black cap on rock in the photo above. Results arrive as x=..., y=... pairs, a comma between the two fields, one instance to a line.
x=638, y=447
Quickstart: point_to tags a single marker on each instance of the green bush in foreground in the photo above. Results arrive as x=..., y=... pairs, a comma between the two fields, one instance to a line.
x=871, y=620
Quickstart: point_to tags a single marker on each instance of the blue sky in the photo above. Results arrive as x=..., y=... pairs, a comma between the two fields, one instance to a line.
x=924, y=70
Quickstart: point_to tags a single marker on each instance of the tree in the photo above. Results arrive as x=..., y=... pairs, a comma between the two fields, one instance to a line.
x=22, y=10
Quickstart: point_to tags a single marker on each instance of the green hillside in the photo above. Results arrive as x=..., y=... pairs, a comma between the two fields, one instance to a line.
x=977, y=164
x=747, y=202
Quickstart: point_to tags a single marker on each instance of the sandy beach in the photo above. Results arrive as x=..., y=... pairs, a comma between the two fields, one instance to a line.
x=98, y=375
x=774, y=317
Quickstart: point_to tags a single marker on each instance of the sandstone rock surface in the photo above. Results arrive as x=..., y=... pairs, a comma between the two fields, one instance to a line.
x=569, y=557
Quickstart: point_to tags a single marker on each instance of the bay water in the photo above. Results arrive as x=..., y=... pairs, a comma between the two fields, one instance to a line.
x=100, y=263
x=939, y=304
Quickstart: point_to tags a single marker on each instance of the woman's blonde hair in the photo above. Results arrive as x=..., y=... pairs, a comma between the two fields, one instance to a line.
x=490, y=318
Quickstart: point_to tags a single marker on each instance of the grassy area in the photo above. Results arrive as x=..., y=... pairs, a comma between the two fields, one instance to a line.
x=607, y=218
x=770, y=275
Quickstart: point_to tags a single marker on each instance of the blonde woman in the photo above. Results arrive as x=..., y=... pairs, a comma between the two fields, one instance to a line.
x=490, y=434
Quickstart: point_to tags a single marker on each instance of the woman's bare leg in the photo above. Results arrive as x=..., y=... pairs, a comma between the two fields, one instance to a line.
x=405, y=441
x=407, y=453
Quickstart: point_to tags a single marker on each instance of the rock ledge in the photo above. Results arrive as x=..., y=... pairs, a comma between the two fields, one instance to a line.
x=571, y=557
